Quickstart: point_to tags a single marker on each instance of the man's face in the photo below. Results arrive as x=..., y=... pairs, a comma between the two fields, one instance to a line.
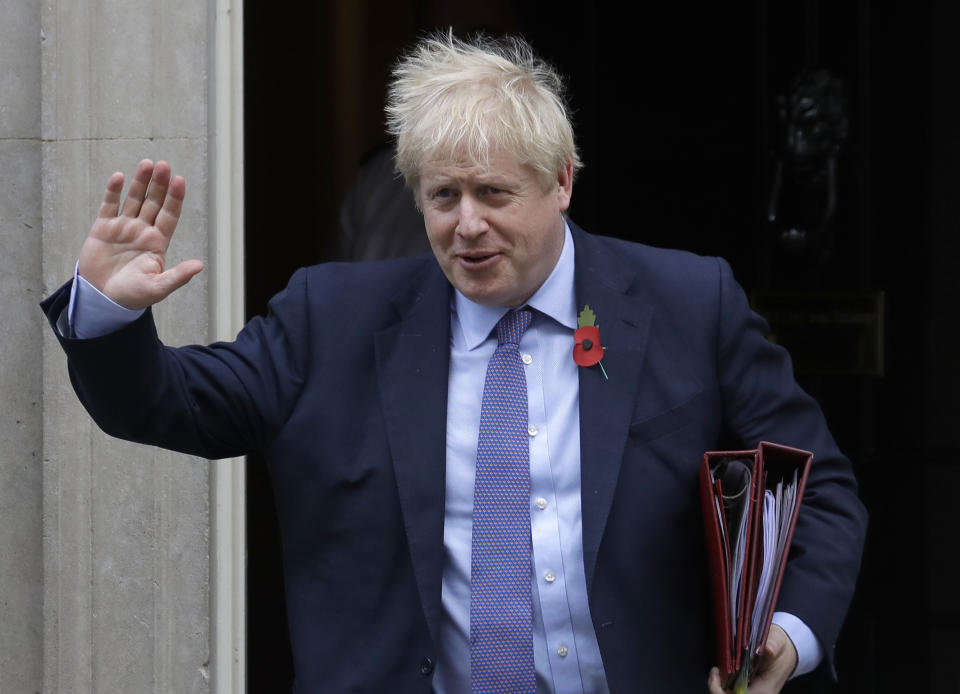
x=495, y=231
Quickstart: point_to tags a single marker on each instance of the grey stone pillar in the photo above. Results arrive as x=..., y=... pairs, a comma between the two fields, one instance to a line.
x=21, y=560
x=125, y=528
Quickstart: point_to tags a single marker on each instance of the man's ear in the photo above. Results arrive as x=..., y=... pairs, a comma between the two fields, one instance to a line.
x=565, y=185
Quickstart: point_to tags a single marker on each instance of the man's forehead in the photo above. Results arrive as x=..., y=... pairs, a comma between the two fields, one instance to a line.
x=498, y=166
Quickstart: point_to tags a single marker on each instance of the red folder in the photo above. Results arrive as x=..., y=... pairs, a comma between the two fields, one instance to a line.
x=767, y=465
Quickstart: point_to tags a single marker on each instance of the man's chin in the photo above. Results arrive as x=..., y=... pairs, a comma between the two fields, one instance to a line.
x=491, y=296
x=482, y=298
x=490, y=288
x=481, y=293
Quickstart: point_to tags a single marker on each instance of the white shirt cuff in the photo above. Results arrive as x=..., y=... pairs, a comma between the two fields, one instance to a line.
x=92, y=314
x=809, y=651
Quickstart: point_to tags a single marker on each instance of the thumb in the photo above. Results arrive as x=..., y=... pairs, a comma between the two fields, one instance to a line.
x=777, y=643
x=777, y=661
x=171, y=280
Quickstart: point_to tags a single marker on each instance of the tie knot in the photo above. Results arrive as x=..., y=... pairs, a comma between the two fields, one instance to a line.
x=511, y=327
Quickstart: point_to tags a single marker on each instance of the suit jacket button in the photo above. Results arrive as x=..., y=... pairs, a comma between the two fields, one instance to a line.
x=426, y=667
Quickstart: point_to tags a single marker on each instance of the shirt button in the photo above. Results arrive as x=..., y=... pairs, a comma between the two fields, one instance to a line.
x=562, y=651
x=541, y=503
x=526, y=359
x=549, y=576
x=532, y=430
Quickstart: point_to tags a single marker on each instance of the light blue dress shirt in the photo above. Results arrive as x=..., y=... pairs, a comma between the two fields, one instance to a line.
x=565, y=650
x=566, y=653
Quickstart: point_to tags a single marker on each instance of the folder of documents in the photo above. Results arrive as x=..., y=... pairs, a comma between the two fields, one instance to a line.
x=750, y=501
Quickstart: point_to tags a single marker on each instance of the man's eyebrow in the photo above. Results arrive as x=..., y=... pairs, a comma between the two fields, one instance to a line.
x=498, y=180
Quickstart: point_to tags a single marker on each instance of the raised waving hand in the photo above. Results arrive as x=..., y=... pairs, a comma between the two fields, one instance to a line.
x=125, y=253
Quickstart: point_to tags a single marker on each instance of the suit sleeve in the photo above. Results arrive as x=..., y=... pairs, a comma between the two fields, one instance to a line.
x=215, y=401
x=763, y=402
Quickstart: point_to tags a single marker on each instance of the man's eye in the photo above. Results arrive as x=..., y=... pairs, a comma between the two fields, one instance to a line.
x=493, y=190
x=442, y=193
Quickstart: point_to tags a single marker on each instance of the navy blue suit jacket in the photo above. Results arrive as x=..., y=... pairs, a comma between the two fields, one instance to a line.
x=343, y=387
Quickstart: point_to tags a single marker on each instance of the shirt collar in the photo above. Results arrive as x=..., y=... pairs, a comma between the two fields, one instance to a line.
x=554, y=298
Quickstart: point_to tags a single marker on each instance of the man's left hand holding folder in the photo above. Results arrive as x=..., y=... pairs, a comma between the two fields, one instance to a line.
x=776, y=663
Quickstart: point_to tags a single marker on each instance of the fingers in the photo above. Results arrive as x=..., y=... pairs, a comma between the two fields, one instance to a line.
x=169, y=213
x=111, y=196
x=153, y=196
x=141, y=179
x=156, y=192
x=713, y=682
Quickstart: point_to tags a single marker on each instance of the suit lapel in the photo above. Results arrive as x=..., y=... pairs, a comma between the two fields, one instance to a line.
x=606, y=406
x=413, y=360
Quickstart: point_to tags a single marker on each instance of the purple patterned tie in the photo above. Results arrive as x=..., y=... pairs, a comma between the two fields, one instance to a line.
x=501, y=614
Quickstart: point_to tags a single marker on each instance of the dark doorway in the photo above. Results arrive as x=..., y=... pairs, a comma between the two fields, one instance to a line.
x=675, y=114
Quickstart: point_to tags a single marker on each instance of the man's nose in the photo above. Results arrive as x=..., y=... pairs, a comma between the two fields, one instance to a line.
x=473, y=220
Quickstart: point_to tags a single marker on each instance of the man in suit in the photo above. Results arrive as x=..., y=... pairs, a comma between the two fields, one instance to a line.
x=372, y=390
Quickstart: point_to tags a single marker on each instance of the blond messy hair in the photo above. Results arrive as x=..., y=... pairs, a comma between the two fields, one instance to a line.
x=465, y=101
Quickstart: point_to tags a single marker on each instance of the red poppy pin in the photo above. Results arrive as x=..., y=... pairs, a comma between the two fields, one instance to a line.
x=587, y=348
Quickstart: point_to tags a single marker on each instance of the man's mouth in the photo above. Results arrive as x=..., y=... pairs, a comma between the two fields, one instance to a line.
x=474, y=259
